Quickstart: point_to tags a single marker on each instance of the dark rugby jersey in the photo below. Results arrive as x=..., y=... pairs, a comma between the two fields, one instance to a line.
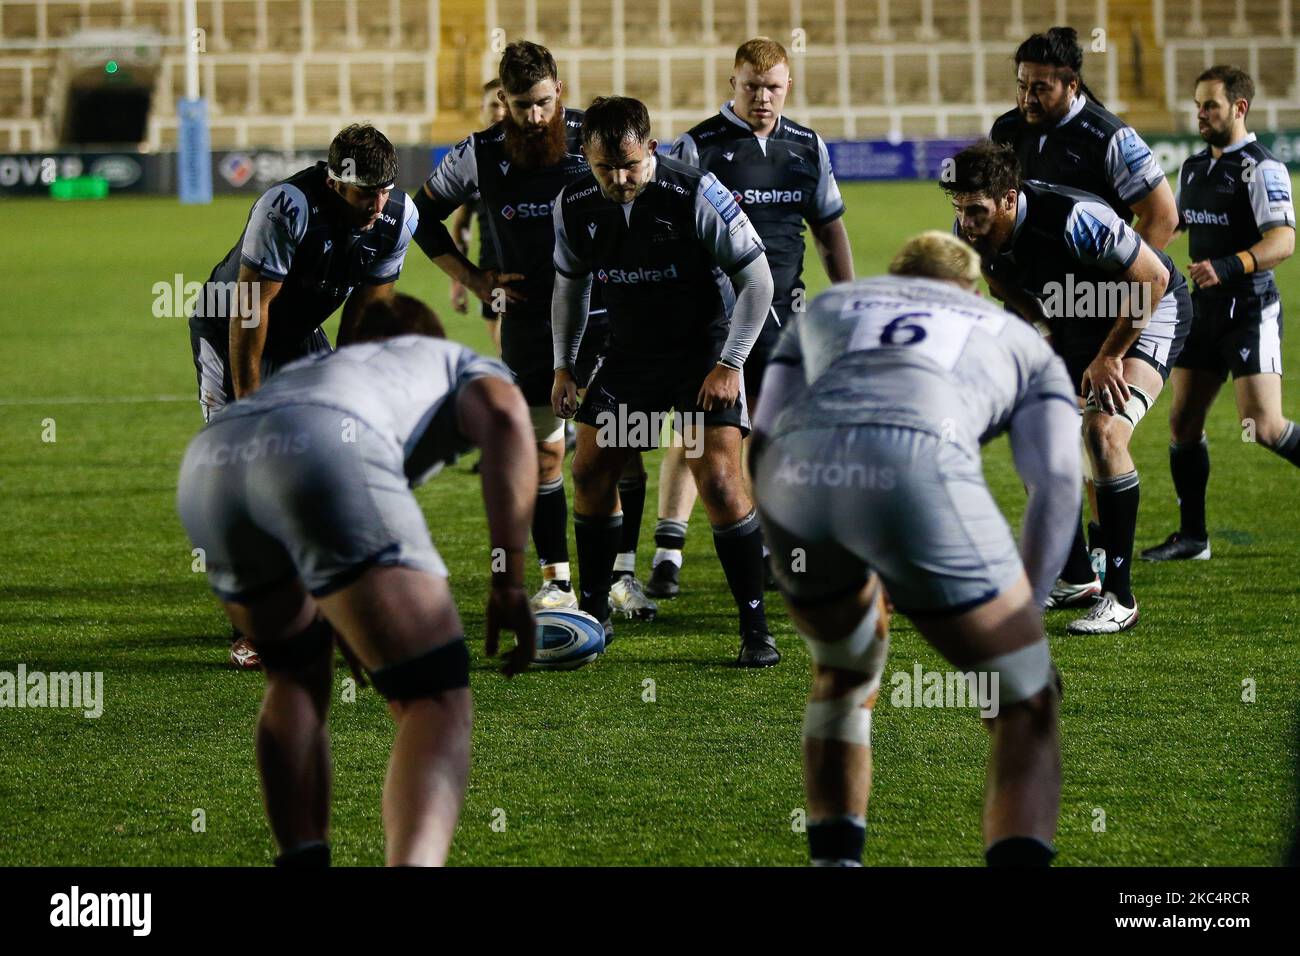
x=294, y=236
x=662, y=261
x=779, y=181
x=1089, y=149
x=1227, y=204
x=517, y=201
x=1066, y=239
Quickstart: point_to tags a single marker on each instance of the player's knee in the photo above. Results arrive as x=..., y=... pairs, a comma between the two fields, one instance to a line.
x=298, y=655
x=1184, y=427
x=846, y=680
x=550, y=460
x=425, y=676
x=1268, y=428
x=1028, y=686
x=591, y=481
x=1105, y=437
x=722, y=491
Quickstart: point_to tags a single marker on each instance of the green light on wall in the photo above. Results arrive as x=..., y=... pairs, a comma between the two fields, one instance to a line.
x=110, y=67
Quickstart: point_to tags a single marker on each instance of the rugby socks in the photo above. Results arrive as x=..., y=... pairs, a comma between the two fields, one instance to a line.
x=1020, y=850
x=550, y=527
x=314, y=853
x=1078, y=563
x=1288, y=446
x=631, y=492
x=837, y=842
x=740, y=549
x=598, y=539
x=1189, y=463
x=670, y=539
x=1117, y=507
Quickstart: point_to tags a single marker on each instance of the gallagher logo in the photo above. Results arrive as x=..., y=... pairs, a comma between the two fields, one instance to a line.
x=634, y=276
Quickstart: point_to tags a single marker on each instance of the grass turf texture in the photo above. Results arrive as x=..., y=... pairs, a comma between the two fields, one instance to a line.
x=95, y=575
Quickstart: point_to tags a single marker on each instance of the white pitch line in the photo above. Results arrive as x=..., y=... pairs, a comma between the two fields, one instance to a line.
x=100, y=400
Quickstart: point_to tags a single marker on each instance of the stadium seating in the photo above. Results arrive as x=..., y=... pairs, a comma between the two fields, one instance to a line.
x=277, y=72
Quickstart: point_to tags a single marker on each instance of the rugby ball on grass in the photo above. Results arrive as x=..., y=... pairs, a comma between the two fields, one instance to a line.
x=567, y=639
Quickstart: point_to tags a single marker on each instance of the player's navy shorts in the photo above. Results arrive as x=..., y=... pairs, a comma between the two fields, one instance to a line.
x=212, y=365
x=839, y=501
x=1241, y=334
x=528, y=351
x=625, y=384
x=301, y=490
x=1078, y=341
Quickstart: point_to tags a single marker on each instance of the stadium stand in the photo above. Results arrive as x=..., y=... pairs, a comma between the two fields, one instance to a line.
x=286, y=73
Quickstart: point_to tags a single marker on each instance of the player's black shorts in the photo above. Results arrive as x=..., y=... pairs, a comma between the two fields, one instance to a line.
x=1241, y=334
x=778, y=317
x=528, y=351
x=1078, y=341
x=632, y=388
x=211, y=355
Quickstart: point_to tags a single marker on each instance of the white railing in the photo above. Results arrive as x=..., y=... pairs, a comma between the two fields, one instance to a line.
x=848, y=110
x=1264, y=110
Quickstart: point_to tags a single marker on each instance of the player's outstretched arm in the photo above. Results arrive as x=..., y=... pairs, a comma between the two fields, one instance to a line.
x=248, y=328
x=570, y=302
x=1045, y=448
x=492, y=414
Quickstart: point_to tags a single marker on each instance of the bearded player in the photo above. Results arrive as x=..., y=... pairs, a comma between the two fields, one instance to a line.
x=516, y=168
x=1236, y=205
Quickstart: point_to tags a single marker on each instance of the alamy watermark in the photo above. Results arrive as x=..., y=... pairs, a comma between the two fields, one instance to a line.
x=65, y=690
x=621, y=428
x=179, y=299
x=922, y=688
x=1098, y=300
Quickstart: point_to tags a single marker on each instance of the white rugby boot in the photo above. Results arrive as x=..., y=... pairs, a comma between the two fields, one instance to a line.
x=553, y=597
x=1065, y=594
x=1107, y=616
x=627, y=597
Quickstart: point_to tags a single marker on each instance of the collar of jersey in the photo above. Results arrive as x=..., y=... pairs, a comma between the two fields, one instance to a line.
x=1076, y=108
x=729, y=113
x=1022, y=210
x=1250, y=138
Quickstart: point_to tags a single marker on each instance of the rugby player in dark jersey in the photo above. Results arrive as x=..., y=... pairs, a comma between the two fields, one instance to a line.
x=687, y=288
x=493, y=111
x=1063, y=134
x=1117, y=311
x=516, y=168
x=1235, y=201
x=334, y=234
x=780, y=174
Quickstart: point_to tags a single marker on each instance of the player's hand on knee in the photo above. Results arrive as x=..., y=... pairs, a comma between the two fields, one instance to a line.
x=507, y=608
x=721, y=388
x=564, y=394
x=1105, y=377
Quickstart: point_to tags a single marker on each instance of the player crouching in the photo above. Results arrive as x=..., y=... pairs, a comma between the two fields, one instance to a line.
x=300, y=497
x=866, y=469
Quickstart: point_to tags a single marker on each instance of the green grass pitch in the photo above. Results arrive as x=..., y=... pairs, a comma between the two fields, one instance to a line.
x=572, y=768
